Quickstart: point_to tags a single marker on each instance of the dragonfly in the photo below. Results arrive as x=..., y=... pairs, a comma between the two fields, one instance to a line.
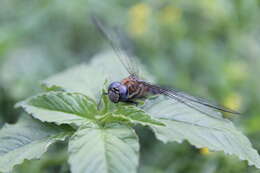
x=133, y=87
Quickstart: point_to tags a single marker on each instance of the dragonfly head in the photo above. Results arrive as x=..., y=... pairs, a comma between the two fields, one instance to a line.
x=117, y=92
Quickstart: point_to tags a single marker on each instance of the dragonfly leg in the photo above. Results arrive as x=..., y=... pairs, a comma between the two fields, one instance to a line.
x=134, y=93
x=132, y=102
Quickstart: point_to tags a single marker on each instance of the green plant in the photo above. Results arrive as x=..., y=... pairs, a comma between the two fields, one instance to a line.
x=101, y=137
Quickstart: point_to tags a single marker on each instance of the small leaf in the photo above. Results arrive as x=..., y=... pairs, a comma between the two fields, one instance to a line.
x=112, y=149
x=28, y=139
x=61, y=107
x=183, y=123
x=109, y=118
x=136, y=115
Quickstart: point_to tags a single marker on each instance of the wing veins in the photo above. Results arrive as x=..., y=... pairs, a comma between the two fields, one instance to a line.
x=108, y=35
x=178, y=97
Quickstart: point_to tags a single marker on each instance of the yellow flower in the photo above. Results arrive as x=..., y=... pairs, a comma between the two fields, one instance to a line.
x=233, y=101
x=204, y=151
x=139, y=15
x=170, y=15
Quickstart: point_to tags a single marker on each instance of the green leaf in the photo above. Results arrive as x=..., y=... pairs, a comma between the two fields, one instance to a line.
x=61, y=107
x=112, y=149
x=136, y=115
x=28, y=139
x=89, y=78
x=183, y=123
x=114, y=118
x=142, y=119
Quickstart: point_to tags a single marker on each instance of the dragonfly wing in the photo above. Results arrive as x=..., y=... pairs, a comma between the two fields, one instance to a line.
x=204, y=102
x=118, y=43
x=198, y=104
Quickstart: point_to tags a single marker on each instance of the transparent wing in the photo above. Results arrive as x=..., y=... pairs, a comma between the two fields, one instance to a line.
x=196, y=103
x=118, y=43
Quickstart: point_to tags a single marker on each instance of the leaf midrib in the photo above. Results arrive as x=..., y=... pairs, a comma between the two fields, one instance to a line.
x=197, y=125
x=103, y=136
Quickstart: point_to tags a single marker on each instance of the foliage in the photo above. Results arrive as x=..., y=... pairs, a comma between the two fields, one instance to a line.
x=101, y=136
x=209, y=48
x=28, y=139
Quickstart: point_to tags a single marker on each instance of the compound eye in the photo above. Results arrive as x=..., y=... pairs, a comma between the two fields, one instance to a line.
x=113, y=92
x=117, y=92
x=113, y=96
x=114, y=85
x=123, y=92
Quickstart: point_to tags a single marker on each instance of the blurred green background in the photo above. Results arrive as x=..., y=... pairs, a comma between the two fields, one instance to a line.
x=209, y=48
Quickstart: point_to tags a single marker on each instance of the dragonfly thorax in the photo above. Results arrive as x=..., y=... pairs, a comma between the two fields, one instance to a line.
x=117, y=92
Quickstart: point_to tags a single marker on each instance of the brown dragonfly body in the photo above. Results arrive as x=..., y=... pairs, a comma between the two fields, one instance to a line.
x=136, y=87
x=129, y=89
